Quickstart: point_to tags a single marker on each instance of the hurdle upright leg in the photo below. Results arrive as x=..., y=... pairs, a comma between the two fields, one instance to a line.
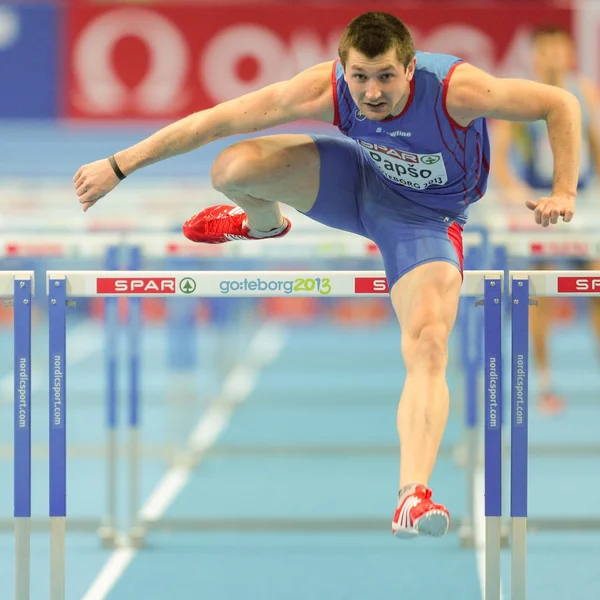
x=22, y=435
x=492, y=316
x=519, y=436
x=57, y=312
x=108, y=531
x=134, y=315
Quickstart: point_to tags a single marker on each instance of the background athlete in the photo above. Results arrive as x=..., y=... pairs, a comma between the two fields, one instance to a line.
x=524, y=168
x=408, y=192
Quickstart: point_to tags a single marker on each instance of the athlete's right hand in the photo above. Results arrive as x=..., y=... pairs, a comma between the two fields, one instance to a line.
x=93, y=181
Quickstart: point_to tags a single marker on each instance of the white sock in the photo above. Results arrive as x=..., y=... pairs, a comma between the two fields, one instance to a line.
x=255, y=233
x=409, y=488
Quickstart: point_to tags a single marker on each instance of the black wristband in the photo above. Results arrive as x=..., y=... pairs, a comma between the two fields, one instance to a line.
x=115, y=166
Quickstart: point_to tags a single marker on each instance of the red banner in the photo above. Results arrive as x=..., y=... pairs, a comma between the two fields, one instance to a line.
x=163, y=62
x=370, y=285
x=571, y=285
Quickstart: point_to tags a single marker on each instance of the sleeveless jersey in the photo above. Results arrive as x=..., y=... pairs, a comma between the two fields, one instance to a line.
x=421, y=153
x=534, y=160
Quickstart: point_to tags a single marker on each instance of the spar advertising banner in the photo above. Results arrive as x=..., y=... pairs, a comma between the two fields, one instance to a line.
x=165, y=61
x=29, y=66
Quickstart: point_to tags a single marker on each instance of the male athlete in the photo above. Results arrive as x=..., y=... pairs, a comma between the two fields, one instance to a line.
x=553, y=63
x=415, y=157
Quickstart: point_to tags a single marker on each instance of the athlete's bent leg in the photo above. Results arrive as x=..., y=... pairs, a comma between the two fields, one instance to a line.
x=257, y=174
x=426, y=302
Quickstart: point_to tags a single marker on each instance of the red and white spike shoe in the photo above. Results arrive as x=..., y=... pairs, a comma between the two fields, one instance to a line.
x=222, y=223
x=418, y=515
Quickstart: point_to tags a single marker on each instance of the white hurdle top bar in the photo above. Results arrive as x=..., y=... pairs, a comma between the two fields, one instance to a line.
x=7, y=281
x=560, y=283
x=217, y=284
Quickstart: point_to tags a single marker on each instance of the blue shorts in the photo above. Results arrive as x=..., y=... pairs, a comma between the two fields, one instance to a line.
x=354, y=197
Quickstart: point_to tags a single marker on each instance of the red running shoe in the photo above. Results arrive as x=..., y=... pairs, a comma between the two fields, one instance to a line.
x=418, y=515
x=222, y=223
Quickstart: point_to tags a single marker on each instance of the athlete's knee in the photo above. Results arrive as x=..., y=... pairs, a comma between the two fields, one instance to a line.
x=236, y=167
x=425, y=346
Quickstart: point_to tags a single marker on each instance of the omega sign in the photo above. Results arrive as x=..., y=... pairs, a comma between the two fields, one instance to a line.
x=102, y=91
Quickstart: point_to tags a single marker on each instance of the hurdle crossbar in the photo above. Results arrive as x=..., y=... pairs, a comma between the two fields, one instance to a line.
x=217, y=284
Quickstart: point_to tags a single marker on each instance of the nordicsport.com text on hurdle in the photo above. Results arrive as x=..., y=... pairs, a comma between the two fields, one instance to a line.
x=23, y=392
x=57, y=412
x=493, y=391
x=520, y=388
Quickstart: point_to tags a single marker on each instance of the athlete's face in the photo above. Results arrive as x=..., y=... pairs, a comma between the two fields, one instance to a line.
x=553, y=56
x=378, y=85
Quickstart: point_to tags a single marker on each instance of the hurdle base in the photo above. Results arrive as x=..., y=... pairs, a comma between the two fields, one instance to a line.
x=83, y=525
x=261, y=525
x=558, y=524
x=43, y=524
x=109, y=536
x=137, y=537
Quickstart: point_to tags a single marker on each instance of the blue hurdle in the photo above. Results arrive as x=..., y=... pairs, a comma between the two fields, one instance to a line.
x=66, y=285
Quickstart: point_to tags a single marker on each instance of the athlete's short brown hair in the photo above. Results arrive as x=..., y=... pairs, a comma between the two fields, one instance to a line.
x=374, y=33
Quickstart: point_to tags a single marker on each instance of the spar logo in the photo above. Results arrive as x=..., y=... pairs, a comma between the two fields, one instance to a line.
x=370, y=285
x=410, y=157
x=578, y=285
x=135, y=285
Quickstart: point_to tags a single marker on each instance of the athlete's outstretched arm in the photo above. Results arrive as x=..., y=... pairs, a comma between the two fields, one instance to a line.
x=473, y=93
x=306, y=96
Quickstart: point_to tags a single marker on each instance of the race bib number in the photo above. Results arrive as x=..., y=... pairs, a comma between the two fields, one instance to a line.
x=415, y=171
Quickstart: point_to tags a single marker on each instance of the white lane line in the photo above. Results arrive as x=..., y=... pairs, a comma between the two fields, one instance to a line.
x=264, y=347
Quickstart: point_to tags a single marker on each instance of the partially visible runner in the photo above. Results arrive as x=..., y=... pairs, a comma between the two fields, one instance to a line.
x=524, y=167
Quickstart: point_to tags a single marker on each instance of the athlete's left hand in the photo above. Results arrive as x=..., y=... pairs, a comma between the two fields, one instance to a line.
x=547, y=210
